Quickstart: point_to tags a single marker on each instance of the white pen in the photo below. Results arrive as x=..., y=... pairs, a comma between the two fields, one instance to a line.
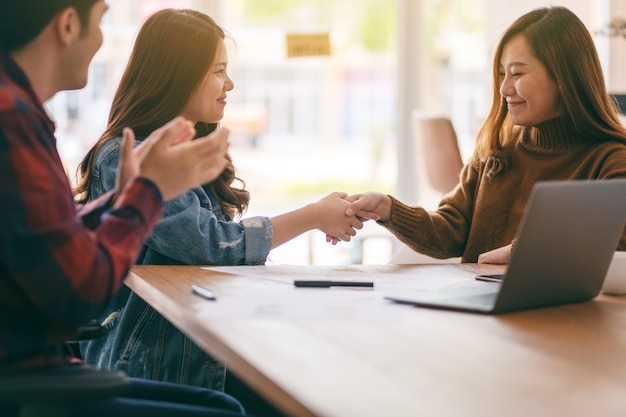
x=203, y=292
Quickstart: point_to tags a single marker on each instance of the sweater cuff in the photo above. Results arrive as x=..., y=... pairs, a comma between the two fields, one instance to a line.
x=402, y=216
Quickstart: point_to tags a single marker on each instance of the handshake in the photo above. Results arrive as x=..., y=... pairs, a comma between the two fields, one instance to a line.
x=341, y=215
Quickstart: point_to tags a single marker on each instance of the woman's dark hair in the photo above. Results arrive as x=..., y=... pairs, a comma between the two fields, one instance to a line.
x=172, y=54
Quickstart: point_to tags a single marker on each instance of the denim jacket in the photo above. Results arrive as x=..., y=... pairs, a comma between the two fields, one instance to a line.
x=193, y=231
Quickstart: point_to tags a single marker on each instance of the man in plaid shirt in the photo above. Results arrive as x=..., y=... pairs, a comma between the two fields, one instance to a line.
x=59, y=266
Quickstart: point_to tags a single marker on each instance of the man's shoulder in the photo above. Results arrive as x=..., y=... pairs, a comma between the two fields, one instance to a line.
x=12, y=97
x=8, y=100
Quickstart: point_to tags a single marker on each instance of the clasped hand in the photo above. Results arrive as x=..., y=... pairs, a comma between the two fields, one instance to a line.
x=363, y=207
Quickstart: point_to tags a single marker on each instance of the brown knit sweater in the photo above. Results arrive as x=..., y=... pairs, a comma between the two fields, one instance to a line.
x=483, y=213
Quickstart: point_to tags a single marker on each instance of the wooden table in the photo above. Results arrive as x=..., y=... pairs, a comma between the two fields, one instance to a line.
x=350, y=353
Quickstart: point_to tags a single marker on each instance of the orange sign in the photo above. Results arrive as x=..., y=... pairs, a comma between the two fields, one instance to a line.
x=302, y=44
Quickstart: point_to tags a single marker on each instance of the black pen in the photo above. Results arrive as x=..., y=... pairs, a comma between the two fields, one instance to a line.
x=328, y=284
x=203, y=292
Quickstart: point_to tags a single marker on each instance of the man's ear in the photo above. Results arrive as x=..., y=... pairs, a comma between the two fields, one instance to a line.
x=67, y=25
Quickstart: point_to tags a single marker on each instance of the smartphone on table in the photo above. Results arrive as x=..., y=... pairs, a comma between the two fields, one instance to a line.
x=490, y=277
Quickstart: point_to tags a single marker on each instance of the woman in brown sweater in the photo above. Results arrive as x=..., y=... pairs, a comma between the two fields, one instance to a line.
x=551, y=118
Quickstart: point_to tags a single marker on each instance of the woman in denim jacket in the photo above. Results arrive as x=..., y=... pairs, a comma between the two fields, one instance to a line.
x=178, y=67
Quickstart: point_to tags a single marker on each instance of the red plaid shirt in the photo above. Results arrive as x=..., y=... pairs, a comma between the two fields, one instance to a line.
x=58, y=266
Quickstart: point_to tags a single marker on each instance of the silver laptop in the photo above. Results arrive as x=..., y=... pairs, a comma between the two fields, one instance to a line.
x=565, y=243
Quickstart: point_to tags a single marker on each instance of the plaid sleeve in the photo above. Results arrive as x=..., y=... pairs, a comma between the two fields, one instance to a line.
x=52, y=260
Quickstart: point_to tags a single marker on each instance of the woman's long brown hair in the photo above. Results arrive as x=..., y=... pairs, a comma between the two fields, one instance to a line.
x=562, y=43
x=172, y=53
